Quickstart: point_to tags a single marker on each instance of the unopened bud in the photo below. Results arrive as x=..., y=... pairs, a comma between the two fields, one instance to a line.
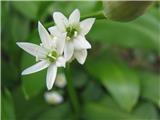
x=53, y=97
x=60, y=80
x=125, y=10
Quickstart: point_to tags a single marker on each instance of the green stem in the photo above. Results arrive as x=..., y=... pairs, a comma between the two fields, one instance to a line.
x=98, y=15
x=72, y=92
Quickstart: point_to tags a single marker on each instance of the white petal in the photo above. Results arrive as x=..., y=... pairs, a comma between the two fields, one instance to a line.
x=81, y=56
x=33, y=49
x=54, y=31
x=44, y=36
x=36, y=67
x=51, y=76
x=60, y=43
x=60, y=62
x=74, y=17
x=86, y=25
x=68, y=50
x=60, y=20
x=59, y=38
x=81, y=43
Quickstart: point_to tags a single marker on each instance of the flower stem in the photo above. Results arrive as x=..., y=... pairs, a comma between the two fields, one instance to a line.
x=71, y=92
x=98, y=15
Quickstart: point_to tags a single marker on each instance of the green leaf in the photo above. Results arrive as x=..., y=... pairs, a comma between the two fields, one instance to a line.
x=151, y=86
x=20, y=28
x=28, y=8
x=33, y=83
x=129, y=35
x=36, y=108
x=7, y=106
x=86, y=7
x=92, y=91
x=9, y=80
x=120, y=80
x=59, y=112
x=107, y=110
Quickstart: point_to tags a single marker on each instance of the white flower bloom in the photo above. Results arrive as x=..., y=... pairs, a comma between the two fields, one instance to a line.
x=60, y=80
x=53, y=97
x=75, y=45
x=48, y=54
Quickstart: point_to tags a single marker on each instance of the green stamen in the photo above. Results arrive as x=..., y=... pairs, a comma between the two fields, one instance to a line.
x=52, y=56
x=71, y=31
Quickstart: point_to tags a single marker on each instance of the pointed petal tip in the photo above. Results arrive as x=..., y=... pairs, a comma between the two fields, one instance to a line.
x=56, y=13
x=89, y=46
x=23, y=73
x=81, y=56
x=50, y=29
x=39, y=23
x=18, y=43
x=93, y=19
x=49, y=88
x=76, y=10
x=81, y=63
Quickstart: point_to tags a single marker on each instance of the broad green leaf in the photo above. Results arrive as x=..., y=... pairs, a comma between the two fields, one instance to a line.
x=120, y=80
x=79, y=76
x=4, y=14
x=9, y=80
x=20, y=28
x=108, y=109
x=36, y=108
x=28, y=109
x=8, y=112
x=92, y=91
x=8, y=43
x=141, y=33
x=28, y=8
x=59, y=112
x=151, y=86
x=33, y=83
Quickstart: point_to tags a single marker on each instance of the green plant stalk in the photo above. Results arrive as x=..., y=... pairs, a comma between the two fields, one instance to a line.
x=72, y=92
x=98, y=15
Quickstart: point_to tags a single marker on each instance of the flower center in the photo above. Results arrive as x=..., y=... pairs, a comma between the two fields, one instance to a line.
x=52, y=56
x=71, y=32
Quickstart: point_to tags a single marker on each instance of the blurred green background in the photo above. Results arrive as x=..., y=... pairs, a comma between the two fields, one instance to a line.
x=119, y=81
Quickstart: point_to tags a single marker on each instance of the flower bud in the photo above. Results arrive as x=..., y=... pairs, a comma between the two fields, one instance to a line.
x=53, y=97
x=125, y=10
x=60, y=80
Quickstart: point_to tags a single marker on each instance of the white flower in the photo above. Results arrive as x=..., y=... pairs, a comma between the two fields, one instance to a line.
x=48, y=54
x=60, y=80
x=53, y=97
x=75, y=45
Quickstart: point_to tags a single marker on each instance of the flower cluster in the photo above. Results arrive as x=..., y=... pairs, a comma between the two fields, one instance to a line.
x=64, y=42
